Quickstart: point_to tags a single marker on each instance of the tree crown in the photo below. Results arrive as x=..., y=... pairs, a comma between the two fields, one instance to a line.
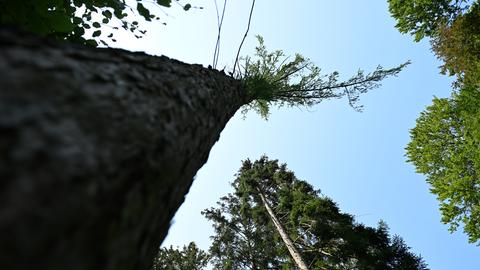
x=421, y=18
x=326, y=237
x=270, y=78
x=444, y=146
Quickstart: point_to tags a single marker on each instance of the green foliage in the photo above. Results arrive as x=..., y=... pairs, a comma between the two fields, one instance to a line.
x=445, y=142
x=271, y=79
x=69, y=19
x=445, y=145
x=190, y=257
x=422, y=18
x=245, y=237
x=458, y=45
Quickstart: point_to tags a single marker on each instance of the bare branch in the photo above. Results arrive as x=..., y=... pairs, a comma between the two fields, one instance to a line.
x=244, y=36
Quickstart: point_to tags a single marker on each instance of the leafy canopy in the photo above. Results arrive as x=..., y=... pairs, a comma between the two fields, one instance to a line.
x=422, y=18
x=70, y=19
x=270, y=78
x=245, y=237
x=445, y=142
x=458, y=45
x=445, y=145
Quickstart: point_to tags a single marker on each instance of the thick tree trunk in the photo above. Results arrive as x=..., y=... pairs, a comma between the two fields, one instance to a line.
x=98, y=148
x=297, y=257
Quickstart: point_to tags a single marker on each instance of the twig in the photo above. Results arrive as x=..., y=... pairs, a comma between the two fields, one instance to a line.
x=244, y=36
x=219, y=24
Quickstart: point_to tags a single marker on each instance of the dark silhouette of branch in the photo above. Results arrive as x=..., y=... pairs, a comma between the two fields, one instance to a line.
x=244, y=36
x=219, y=24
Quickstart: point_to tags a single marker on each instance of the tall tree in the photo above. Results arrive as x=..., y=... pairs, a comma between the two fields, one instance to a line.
x=98, y=149
x=325, y=237
x=188, y=258
x=445, y=146
x=100, y=146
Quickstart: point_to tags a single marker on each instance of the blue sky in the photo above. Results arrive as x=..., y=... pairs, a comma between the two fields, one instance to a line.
x=357, y=159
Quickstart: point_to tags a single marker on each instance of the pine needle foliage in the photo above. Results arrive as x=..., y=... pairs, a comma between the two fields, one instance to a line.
x=246, y=238
x=272, y=78
x=190, y=257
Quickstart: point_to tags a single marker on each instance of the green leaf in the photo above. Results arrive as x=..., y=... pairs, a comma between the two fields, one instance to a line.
x=77, y=20
x=79, y=31
x=96, y=33
x=60, y=22
x=77, y=3
x=96, y=25
x=107, y=14
x=143, y=11
x=187, y=7
x=165, y=3
x=91, y=42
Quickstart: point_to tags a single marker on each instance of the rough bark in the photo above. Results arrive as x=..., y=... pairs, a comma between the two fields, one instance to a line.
x=297, y=257
x=98, y=148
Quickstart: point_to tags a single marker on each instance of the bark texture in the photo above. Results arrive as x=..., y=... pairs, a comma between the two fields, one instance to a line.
x=98, y=148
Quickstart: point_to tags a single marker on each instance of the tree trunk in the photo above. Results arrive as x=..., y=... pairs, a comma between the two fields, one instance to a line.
x=98, y=148
x=297, y=257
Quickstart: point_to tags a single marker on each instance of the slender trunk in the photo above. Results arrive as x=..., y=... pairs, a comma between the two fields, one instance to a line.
x=297, y=257
x=98, y=148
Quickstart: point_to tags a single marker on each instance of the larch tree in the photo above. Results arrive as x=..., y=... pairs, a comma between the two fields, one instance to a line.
x=100, y=146
x=324, y=237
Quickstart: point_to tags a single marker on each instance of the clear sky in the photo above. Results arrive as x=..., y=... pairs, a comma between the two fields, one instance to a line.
x=357, y=159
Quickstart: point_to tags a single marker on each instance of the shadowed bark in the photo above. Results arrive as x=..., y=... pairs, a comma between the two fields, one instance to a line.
x=98, y=148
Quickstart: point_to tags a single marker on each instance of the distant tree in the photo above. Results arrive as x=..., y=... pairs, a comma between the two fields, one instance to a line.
x=421, y=18
x=244, y=238
x=458, y=45
x=445, y=145
x=324, y=237
x=445, y=142
x=188, y=258
x=69, y=19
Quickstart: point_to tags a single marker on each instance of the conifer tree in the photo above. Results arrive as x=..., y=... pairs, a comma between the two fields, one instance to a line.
x=325, y=237
x=188, y=258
